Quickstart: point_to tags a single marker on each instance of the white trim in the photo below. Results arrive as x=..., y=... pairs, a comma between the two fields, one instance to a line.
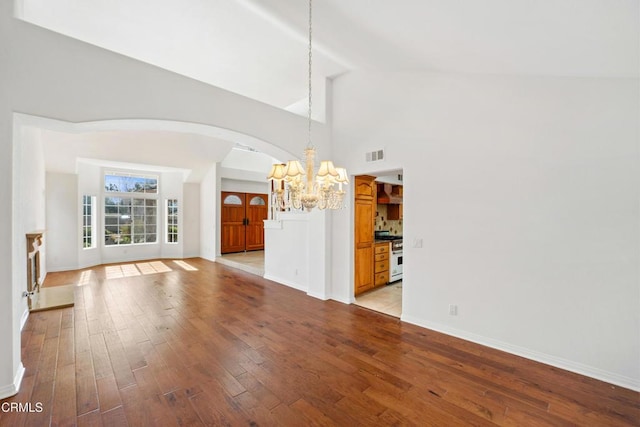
x=321, y=296
x=350, y=300
x=23, y=318
x=14, y=388
x=559, y=362
x=273, y=224
x=285, y=282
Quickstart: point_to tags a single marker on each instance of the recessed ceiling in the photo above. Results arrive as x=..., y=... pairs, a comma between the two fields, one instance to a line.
x=189, y=154
x=257, y=48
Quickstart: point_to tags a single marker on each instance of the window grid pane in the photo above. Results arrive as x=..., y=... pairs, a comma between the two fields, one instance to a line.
x=172, y=221
x=87, y=222
x=129, y=221
x=126, y=183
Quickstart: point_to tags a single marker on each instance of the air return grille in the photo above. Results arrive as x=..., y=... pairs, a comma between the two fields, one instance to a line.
x=375, y=156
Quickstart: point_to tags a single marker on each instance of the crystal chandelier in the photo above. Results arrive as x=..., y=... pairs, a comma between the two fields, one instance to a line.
x=293, y=187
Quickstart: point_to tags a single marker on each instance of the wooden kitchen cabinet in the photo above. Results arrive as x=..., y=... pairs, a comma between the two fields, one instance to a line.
x=364, y=211
x=365, y=188
x=394, y=212
x=381, y=264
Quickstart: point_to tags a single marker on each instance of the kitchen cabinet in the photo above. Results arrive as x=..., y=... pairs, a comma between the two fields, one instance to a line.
x=364, y=211
x=381, y=263
x=394, y=212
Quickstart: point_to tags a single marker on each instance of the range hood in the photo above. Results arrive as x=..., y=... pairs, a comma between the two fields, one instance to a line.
x=389, y=194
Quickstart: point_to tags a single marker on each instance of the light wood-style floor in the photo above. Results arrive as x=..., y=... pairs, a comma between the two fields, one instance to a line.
x=198, y=343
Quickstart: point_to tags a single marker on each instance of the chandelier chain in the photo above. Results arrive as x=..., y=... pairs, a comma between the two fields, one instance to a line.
x=310, y=63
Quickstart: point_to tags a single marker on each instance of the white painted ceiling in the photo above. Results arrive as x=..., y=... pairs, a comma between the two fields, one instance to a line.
x=258, y=48
x=161, y=151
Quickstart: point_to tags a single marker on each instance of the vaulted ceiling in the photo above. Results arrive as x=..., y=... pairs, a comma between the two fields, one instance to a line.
x=258, y=48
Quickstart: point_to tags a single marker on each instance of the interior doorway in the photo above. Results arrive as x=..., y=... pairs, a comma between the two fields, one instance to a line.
x=242, y=221
x=378, y=241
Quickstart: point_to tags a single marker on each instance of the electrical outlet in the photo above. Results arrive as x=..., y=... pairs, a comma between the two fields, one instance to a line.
x=453, y=309
x=417, y=243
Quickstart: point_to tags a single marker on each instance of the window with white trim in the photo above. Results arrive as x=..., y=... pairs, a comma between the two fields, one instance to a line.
x=88, y=222
x=172, y=220
x=116, y=182
x=130, y=221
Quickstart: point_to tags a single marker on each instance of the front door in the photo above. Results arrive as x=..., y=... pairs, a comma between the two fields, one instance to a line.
x=256, y=214
x=242, y=221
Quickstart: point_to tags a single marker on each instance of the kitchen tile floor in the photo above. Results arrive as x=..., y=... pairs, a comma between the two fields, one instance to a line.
x=251, y=262
x=387, y=300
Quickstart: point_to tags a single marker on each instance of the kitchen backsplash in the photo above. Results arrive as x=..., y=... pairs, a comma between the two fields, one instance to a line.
x=382, y=223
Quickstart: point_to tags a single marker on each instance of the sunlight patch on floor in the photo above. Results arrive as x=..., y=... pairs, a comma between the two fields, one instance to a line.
x=138, y=269
x=185, y=265
x=85, y=278
x=153, y=267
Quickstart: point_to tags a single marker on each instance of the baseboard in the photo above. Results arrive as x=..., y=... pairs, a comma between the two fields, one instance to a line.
x=321, y=296
x=344, y=300
x=13, y=389
x=23, y=319
x=568, y=365
x=285, y=282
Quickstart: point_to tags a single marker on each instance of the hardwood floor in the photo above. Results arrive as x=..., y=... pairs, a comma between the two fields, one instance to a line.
x=205, y=344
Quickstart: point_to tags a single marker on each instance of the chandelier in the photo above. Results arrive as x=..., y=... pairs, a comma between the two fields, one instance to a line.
x=295, y=187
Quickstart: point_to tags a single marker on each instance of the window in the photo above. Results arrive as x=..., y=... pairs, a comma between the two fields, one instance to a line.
x=257, y=201
x=129, y=220
x=172, y=221
x=126, y=183
x=232, y=199
x=88, y=222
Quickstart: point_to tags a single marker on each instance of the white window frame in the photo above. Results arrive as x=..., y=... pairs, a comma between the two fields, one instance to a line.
x=168, y=223
x=141, y=176
x=132, y=196
x=89, y=222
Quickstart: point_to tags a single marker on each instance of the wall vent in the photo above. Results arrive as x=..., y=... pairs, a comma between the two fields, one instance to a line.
x=375, y=156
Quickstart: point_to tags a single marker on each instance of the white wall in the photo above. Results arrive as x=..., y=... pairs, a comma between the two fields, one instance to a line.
x=290, y=260
x=245, y=186
x=286, y=261
x=209, y=200
x=524, y=192
x=191, y=220
x=62, y=218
